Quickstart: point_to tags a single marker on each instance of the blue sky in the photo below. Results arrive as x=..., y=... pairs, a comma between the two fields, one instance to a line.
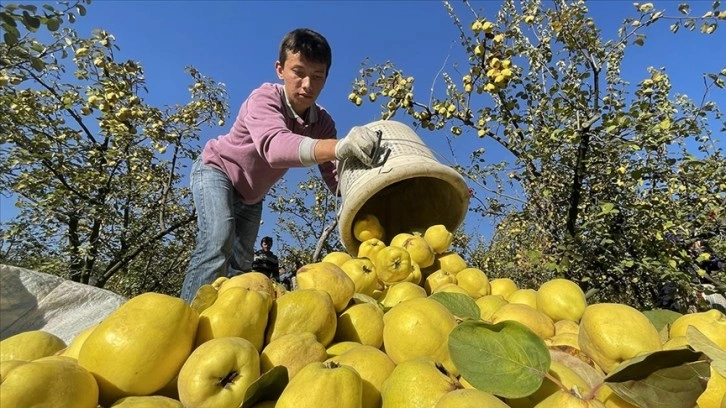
x=236, y=42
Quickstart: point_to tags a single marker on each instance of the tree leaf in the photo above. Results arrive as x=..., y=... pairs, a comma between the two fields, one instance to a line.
x=53, y=24
x=592, y=376
x=10, y=37
x=661, y=317
x=266, y=388
x=667, y=379
x=701, y=343
x=505, y=359
x=205, y=296
x=460, y=305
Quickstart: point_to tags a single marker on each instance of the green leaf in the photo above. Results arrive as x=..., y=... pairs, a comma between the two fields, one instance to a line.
x=701, y=343
x=505, y=359
x=266, y=388
x=37, y=64
x=606, y=208
x=53, y=24
x=684, y=8
x=661, y=317
x=81, y=10
x=205, y=296
x=460, y=305
x=666, y=379
x=10, y=37
x=31, y=22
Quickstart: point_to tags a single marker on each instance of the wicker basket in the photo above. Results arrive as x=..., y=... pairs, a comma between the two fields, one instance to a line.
x=411, y=191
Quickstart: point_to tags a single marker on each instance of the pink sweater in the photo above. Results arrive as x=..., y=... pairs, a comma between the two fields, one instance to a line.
x=264, y=142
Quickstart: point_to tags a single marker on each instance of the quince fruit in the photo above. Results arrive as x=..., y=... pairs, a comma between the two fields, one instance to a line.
x=610, y=399
x=366, y=227
x=362, y=272
x=452, y=288
x=437, y=279
x=524, y=296
x=535, y=320
x=30, y=345
x=715, y=394
x=294, y=351
x=439, y=238
x=566, y=326
x=374, y=367
x=58, y=382
x=451, y=262
x=566, y=399
x=502, y=286
x=611, y=333
x=218, y=373
x=420, y=251
x=416, y=274
x=402, y=291
x=399, y=239
x=74, y=348
x=337, y=257
x=150, y=401
x=393, y=264
x=249, y=280
x=469, y=398
x=323, y=385
x=711, y=323
x=489, y=304
x=140, y=347
x=303, y=310
x=237, y=312
x=370, y=248
x=362, y=323
x=416, y=383
x=474, y=281
x=337, y=349
x=416, y=328
x=329, y=278
x=561, y=299
x=565, y=375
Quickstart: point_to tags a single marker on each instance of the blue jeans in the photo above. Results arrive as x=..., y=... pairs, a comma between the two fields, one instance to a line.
x=227, y=230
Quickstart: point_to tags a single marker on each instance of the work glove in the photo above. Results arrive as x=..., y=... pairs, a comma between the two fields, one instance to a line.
x=360, y=143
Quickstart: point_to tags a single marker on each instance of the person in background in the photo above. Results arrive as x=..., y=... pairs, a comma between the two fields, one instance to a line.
x=265, y=260
x=278, y=127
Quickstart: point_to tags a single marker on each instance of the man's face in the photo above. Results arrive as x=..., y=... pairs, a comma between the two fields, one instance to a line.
x=265, y=245
x=303, y=80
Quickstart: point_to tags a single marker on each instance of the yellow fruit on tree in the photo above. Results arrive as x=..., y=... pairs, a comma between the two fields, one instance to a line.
x=611, y=333
x=293, y=351
x=439, y=238
x=418, y=327
x=329, y=278
x=48, y=382
x=561, y=299
x=374, y=367
x=303, y=310
x=140, y=347
x=366, y=227
x=362, y=323
x=30, y=345
x=323, y=385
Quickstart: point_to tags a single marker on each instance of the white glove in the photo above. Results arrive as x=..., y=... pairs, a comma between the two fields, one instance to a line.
x=360, y=143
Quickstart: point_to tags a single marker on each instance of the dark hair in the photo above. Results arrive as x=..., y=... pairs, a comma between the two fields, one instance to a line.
x=268, y=240
x=312, y=45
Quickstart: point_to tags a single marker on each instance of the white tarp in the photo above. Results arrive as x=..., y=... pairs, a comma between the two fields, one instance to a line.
x=31, y=300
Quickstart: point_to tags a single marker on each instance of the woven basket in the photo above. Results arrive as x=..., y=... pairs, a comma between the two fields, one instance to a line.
x=411, y=191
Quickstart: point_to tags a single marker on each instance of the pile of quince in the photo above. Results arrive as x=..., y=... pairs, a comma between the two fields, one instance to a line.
x=403, y=324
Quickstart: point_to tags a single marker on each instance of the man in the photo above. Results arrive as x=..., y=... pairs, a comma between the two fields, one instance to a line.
x=278, y=127
x=266, y=261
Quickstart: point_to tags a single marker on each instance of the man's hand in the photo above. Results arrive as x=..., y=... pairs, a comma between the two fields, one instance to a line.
x=360, y=143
